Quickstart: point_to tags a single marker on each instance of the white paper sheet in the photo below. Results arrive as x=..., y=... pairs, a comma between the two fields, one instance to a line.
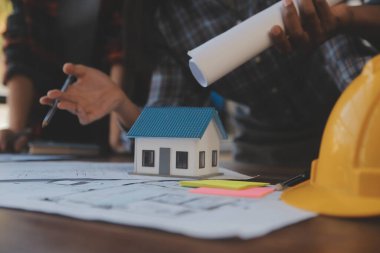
x=63, y=170
x=222, y=54
x=83, y=170
x=6, y=157
x=153, y=203
x=74, y=189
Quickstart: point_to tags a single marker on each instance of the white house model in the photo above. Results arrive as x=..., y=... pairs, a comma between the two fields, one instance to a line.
x=177, y=141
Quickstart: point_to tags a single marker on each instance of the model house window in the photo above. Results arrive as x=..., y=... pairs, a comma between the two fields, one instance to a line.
x=214, y=158
x=181, y=160
x=202, y=155
x=148, y=158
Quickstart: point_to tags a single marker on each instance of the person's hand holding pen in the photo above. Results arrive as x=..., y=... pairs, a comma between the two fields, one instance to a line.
x=92, y=96
x=69, y=80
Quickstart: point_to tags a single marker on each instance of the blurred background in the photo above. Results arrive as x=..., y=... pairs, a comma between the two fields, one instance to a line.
x=5, y=9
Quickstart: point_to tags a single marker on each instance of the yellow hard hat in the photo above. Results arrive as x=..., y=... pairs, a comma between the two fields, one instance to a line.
x=345, y=180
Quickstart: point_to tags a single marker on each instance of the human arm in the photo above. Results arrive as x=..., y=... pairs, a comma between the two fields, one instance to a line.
x=17, y=51
x=93, y=96
x=366, y=22
x=112, y=20
x=18, y=77
x=20, y=99
x=116, y=75
x=318, y=22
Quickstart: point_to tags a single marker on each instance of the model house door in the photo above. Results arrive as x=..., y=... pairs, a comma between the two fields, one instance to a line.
x=164, y=165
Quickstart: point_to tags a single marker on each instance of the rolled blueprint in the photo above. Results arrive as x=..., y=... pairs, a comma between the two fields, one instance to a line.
x=227, y=51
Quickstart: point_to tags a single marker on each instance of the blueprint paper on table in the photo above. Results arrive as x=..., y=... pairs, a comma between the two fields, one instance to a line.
x=63, y=170
x=80, y=170
x=7, y=157
x=151, y=202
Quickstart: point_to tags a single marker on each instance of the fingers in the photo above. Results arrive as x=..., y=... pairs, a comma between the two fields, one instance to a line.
x=61, y=96
x=51, y=97
x=280, y=40
x=55, y=94
x=83, y=117
x=325, y=14
x=13, y=142
x=75, y=69
x=315, y=24
x=65, y=102
x=293, y=27
x=4, y=140
x=45, y=100
x=20, y=143
x=72, y=107
x=310, y=19
x=68, y=106
x=68, y=101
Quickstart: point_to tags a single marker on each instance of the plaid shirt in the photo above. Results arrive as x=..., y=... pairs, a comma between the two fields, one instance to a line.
x=288, y=97
x=33, y=43
x=34, y=48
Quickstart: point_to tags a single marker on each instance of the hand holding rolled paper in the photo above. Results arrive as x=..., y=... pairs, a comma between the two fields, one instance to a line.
x=224, y=53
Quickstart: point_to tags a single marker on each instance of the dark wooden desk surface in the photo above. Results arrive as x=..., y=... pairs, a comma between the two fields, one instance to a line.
x=34, y=232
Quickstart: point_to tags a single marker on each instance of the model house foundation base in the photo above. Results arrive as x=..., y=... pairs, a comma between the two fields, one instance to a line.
x=200, y=177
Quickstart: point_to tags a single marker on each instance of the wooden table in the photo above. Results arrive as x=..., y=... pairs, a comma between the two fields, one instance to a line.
x=35, y=232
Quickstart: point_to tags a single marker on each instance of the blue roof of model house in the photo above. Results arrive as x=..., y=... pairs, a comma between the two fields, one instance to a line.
x=175, y=122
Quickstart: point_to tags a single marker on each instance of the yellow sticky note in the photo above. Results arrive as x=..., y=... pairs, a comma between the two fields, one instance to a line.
x=225, y=184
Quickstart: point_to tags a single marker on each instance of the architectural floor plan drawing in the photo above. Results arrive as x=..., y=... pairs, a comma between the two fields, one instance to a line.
x=152, y=202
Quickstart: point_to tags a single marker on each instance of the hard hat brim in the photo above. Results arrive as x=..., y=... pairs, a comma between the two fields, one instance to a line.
x=323, y=201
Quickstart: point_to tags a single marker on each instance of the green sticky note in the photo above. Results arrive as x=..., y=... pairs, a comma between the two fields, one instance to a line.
x=225, y=184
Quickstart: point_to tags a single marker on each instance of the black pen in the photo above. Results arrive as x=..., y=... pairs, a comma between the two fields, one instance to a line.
x=292, y=181
x=69, y=80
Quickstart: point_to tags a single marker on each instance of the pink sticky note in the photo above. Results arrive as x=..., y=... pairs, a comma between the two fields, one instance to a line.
x=257, y=192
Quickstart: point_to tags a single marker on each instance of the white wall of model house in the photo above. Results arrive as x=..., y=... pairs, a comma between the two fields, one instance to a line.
x=209, y=142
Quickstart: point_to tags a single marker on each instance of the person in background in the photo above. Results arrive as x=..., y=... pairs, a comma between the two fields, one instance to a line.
x=287, y=97
x=40, y=36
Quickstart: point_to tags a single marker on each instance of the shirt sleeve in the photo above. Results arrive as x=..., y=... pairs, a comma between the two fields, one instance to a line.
x=16, y=48
x=345, y=57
